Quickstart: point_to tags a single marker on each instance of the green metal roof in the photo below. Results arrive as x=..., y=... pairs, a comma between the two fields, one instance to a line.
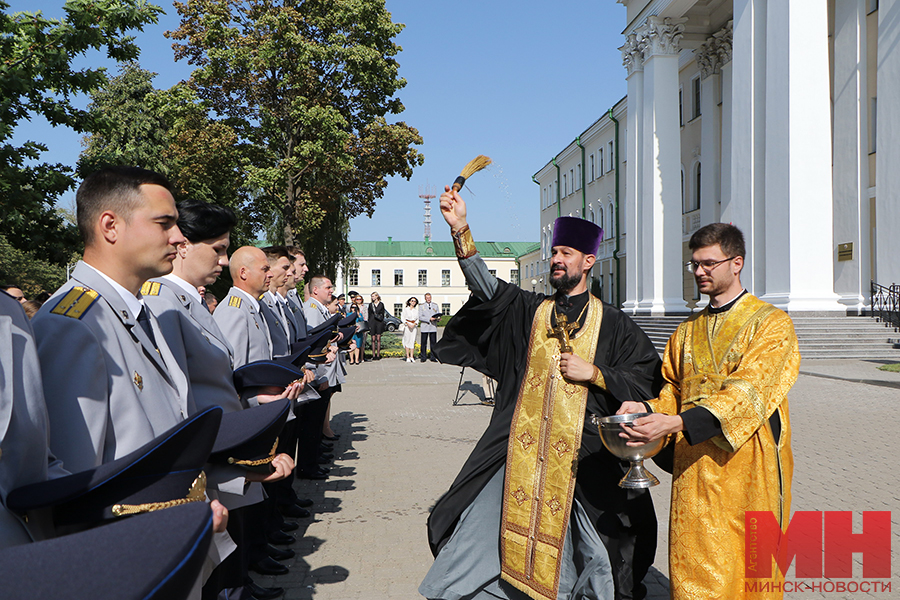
x=399, y=248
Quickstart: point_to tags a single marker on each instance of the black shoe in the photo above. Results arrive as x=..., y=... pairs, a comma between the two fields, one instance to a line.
x=421, y=360
x=281, y=538
x=332, y=438
x=293, y=511
x=433, y=359
x=289, y=526
x=279, y=553
x=269, y=566
x=263, y=593
x=303, y=502
x=318, y=474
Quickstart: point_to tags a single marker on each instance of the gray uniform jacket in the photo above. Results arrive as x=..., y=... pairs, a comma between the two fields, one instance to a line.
x=107, y=388
x=293, y=324
x=315, y=316
x=24, y=454
x=243, y=328
x=206, y=357
x=426, y=311
x=278, y=328
x=299, y=313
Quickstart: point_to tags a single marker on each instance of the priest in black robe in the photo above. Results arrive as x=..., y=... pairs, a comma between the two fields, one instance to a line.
x=502, y=332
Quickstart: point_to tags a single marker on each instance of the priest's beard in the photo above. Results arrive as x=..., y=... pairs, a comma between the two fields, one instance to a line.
x=566, y=282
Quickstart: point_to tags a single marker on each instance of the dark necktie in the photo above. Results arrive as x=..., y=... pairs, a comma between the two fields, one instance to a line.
x=144, y=320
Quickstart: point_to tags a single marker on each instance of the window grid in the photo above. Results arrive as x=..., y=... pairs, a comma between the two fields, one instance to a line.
x=376, y=277
x=445, y=278
x=398, y=277
x=445, y=308
x=353, y=277
x=423, y=277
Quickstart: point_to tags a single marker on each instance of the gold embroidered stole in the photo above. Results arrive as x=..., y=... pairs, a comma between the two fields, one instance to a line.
x=542, y=458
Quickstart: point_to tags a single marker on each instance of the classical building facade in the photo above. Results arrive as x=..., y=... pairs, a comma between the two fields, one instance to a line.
x=761, y=113
x=398, y=270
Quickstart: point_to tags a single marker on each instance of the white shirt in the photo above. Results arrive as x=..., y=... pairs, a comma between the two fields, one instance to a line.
x=187, y=287
x=134, y=303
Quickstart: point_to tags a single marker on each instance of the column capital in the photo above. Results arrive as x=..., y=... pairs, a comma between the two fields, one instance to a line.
x=662, y=37
x=632, y=56
x=716, y=51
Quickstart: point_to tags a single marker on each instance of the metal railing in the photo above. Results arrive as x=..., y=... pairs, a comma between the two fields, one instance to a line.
x=886, y=304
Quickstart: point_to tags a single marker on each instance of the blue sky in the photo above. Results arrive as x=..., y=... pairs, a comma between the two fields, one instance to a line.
x=517, y=81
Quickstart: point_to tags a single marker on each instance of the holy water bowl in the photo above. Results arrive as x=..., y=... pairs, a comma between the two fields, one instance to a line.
x=610, y=428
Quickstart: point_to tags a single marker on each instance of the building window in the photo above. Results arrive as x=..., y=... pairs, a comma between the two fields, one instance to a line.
x=681, y=106
x=578, y=176
x=514, y=276
x=565, y=185
x=592, y=167
x=353, y=277
x=376, y=277
x=398, y=310
x=600, y=154
x=684, y=206
x=873, y=124
x=493, y=272
x=571, y=181
x=612, y=158
x=612, y=221
x=445, y=308
x=423, y=277
x=398, y=277
x=697, y=187
x=599, y=220
x=696, y=88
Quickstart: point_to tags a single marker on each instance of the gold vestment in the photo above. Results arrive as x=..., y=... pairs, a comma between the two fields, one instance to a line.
x=739, y=365
x=542, y=457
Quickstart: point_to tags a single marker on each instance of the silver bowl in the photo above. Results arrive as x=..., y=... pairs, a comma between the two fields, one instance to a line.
x=610, y=428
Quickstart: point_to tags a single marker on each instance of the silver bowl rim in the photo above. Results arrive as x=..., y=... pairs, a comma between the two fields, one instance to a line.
x=618, y=420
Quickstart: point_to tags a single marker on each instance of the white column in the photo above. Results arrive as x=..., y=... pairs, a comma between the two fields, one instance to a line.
x=851, y=160
x=799, y=272
x=710, y=56
x=748, y=129
x=725, y=167
x=634, y=63
x=887, y=160
x=661, y=168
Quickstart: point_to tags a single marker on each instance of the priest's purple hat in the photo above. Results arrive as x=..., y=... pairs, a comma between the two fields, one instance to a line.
x=577, y=233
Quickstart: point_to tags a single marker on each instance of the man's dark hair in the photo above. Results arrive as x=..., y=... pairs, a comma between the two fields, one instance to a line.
x=727, y=236
x=200, y=220
x=6, y=286
x=112, y=188
x=273, y=253
x=294, y=250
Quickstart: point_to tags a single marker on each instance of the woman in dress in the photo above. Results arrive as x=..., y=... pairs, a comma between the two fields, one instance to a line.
x=376, y=324
x=410, y=318
x=356, y=353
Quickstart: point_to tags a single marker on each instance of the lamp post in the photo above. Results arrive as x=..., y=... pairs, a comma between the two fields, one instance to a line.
x=533, y=284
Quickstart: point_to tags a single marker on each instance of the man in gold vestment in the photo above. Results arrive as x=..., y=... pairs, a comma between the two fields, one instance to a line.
x=728, y=370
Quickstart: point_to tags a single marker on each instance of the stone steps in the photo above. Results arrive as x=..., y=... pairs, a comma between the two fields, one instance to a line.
x=819, y=337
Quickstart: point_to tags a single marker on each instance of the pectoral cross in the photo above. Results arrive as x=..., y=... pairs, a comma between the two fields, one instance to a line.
x=561, y=332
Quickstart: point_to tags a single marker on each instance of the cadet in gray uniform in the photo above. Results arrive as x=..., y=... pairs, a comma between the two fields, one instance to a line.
x=24, y=457
x=272, y=312
x=293, y=298
x=110, y=380
x=238, y=315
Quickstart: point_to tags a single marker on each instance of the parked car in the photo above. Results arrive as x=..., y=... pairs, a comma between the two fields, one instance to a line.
x=391, y=323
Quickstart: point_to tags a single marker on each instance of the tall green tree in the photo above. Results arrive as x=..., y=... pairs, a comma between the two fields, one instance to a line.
x=308, y=85
x=37, y=78
x=168, y=131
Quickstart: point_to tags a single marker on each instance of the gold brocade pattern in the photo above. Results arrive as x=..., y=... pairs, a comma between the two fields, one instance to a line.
x=550, y=411
x=741, y=371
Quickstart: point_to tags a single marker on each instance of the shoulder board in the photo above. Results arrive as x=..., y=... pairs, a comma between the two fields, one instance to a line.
x=234, y=302
x=76, y=302
x=150, y=288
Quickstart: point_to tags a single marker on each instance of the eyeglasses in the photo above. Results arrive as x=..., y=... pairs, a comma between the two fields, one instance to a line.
x=707, y=265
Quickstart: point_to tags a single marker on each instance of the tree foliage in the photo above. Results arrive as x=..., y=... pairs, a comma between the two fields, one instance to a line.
x=170, y=132
x=308, y=86
x=31, y=273
x=37, y=78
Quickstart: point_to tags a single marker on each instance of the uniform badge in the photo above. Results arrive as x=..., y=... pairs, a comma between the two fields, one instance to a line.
x=139, y=381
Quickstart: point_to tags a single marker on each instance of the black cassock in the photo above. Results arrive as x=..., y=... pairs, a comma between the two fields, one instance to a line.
x=492, y=337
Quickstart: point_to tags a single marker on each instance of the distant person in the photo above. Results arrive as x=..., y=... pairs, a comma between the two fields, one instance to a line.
x=410, y=323
x=211, y=302
x=31, y=307
x=429, y=314
x=14, y=291
x=376, y=324
x=356, y=353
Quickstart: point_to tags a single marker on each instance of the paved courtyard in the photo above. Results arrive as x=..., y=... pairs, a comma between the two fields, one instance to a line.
x=403, y=441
